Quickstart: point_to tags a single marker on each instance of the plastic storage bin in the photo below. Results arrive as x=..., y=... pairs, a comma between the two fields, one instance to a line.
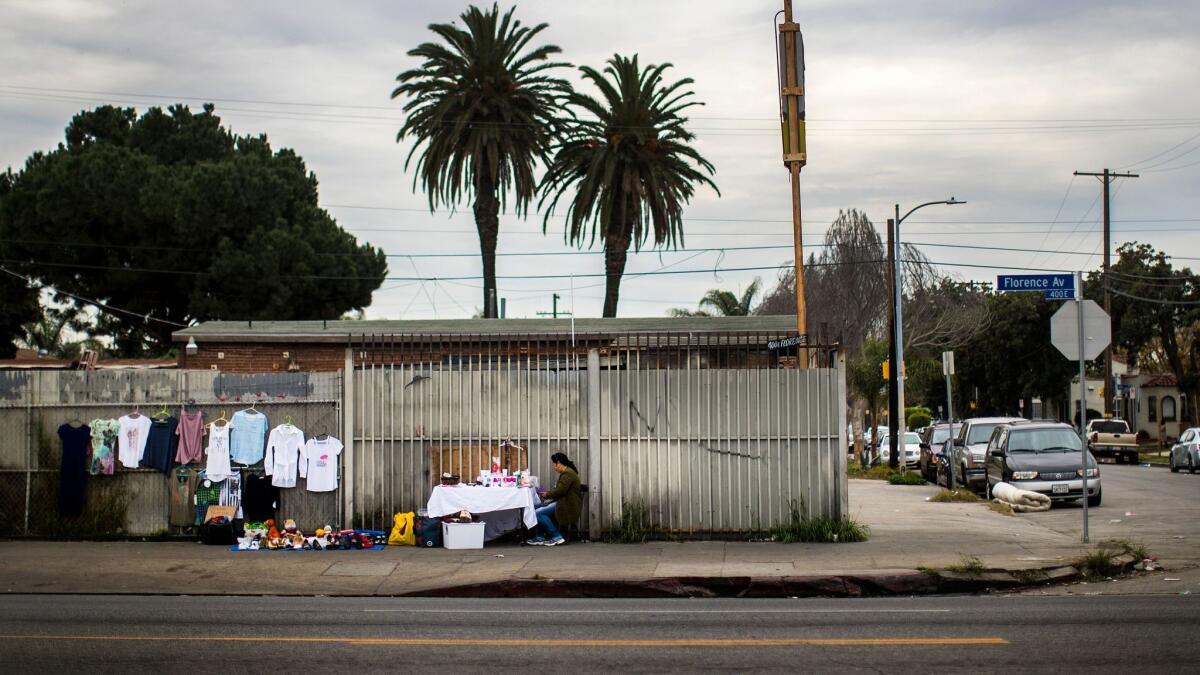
x=462, y=535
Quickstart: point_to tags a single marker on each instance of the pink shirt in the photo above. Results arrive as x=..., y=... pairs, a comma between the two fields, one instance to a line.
x=191, y=438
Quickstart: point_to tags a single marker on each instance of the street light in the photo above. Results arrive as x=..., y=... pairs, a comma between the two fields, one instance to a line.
x=897, y=295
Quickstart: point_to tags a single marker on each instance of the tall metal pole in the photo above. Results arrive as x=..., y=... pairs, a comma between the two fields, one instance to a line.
x=894, y=411
x=1082, y=399
x=899, y=300
x=794, y=155
x=1106, y=176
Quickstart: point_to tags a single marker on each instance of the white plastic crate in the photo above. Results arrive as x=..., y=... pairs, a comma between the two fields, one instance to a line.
x=462, y=535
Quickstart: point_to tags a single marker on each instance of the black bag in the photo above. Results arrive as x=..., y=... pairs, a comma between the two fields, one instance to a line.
x=429, y=532
x=218, y=534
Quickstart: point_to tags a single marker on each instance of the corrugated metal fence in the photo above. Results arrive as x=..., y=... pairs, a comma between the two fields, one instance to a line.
x=700, y=433
x=33, y=404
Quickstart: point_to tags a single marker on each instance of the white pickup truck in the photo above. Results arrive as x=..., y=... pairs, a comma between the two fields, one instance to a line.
x=1112, y=438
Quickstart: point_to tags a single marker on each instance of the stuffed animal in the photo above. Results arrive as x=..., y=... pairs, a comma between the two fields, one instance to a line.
x=272, y=531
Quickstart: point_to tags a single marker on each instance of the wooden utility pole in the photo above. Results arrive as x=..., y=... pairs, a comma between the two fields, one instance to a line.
x=791, y=96
x=1107, y=177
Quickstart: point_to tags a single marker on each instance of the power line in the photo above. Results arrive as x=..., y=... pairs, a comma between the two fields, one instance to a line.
x=393, y=108
x=1155, y=300
x=97, y=303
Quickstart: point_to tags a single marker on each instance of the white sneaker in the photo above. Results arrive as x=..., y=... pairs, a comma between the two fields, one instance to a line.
x=536, y=541
x=555, y=541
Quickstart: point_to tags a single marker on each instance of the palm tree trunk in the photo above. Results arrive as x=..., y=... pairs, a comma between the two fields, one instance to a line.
x=616, y=250
x=487, y=222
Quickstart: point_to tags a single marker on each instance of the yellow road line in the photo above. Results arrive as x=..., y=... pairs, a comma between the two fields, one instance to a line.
x=483, y=642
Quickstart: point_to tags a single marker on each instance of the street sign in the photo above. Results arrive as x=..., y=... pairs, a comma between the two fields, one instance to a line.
x=1064, y=330
x=947, y=363
x=1037, y=283
x=787, y=342
x=1067, y=294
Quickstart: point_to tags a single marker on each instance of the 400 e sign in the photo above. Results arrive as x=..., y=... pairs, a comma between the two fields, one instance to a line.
x=1054, y=286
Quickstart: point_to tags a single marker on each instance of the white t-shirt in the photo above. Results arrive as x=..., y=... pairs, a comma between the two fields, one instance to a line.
x=321, y=465
x=131, y=439
x=218, y=452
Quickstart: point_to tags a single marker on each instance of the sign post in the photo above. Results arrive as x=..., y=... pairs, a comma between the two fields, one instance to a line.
x=1082, y=400
x=948, y=370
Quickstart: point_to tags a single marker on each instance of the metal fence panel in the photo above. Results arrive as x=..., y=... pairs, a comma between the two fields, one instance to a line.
x=707, y=433
x=33, y=404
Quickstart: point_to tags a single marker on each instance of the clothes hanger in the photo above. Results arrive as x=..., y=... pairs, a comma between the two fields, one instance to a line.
x=136, y=412
x=163, y=413
x=289, y=421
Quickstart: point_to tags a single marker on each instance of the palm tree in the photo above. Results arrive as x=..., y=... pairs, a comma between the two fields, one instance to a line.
x=724, y=303
x=483, y=111
x=628, y=164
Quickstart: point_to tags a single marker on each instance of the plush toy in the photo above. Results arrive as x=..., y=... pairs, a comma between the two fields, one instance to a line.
x=272, y=531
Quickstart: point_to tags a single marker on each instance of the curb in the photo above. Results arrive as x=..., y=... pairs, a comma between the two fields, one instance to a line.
x=916, y=582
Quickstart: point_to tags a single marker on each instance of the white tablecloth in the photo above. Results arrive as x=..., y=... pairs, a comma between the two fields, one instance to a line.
x=448, y=500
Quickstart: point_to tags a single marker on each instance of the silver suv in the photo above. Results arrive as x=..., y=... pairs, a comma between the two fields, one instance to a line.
x=967, y=461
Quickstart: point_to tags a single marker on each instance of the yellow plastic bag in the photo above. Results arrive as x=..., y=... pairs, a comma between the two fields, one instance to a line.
x=402, y=531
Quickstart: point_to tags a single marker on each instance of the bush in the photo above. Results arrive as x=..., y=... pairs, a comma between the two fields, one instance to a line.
x=918, y=416
x=823, y=529
x=910, y=478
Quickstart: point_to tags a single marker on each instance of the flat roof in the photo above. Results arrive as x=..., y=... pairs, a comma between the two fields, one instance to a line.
x=342, y=331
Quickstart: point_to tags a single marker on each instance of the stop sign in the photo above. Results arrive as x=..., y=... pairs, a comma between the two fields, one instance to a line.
x=1064, y=330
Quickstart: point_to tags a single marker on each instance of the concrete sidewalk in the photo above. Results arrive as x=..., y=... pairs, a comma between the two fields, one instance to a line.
x=907, y=532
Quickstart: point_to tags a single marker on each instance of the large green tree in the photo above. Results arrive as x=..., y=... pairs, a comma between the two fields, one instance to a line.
x=1011, y=360
x=1156, y=314
x=626, y=165
x=168, y=218
x=482, y=109
x=18, y=299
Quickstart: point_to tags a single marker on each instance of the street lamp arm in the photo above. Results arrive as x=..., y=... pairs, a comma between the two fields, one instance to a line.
x=952, y=200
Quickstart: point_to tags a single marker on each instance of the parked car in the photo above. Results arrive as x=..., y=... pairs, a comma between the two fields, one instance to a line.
x=970, y=447
x=1042, y=457
x=1186, y=452
x=1112, y=438
x=911, y=450
x=933, y=440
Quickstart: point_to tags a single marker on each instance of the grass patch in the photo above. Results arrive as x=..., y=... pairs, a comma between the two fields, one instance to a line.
x=1001, y=508
x=1147, y=458
x=883, y=472
x=1096, y=564
x=1137, y=550
x=959, y=495
x=967, y=564
x=635, y=527
x=801, y=528
x=910, y=478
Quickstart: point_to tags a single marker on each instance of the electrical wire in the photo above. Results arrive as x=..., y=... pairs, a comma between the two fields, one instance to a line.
x=1189, y=303
x=96, y=303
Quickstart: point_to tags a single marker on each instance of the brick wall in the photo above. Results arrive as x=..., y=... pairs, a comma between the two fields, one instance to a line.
x=242, y=357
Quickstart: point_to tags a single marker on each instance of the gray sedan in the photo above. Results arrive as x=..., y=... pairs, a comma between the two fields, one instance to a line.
x=1186, y=453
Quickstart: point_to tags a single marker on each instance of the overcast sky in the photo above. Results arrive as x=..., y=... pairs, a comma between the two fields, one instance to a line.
x=992, y=102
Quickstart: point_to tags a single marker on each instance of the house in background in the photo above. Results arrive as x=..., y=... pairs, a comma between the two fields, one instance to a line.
x=1153, y=403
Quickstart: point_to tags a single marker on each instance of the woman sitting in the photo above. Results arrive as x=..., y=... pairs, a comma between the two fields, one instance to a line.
x=560, y=506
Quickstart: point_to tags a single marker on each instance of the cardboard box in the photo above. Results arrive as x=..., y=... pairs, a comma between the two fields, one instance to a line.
x=462, y=535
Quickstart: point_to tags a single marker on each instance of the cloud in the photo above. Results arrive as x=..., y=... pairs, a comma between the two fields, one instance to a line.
x=907, y=102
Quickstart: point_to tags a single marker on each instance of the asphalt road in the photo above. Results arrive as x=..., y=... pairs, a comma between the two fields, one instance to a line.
x=1147, y=505
x=1006, y=634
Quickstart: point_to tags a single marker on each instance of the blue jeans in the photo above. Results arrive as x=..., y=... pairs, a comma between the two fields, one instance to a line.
x=545, y=516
